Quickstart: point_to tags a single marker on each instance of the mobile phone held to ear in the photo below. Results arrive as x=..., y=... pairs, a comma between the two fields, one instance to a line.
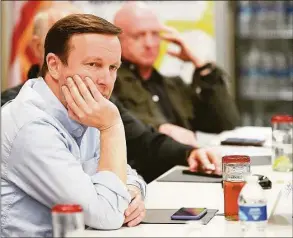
x=242, y=142
x=189, y=213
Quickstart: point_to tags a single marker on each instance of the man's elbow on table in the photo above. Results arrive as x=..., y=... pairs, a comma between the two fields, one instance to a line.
x=112, y=221
x=107, y=216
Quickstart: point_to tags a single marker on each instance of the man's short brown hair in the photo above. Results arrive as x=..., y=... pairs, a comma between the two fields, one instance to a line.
x=58, y=37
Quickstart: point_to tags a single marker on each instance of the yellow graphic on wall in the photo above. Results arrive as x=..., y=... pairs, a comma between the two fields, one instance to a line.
x=205, y=24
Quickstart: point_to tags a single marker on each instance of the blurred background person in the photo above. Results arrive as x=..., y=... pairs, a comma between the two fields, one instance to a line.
x=43, y=19
x=167, y=103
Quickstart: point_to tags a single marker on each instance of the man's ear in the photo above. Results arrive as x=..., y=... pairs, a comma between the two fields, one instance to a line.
x=37, y=48
x=54, y=65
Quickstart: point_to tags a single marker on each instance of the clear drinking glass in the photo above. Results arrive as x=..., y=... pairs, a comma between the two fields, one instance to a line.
x=234, y=168
x=66, y=218
x=282, y=142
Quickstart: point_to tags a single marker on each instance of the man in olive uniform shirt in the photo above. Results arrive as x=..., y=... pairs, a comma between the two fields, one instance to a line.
x=167, y=103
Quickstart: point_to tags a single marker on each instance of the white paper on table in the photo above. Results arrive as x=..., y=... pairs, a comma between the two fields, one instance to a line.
x=242, y=150
x=249, y=132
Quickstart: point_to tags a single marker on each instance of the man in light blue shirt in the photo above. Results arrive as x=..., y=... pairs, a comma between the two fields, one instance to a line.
x=63, y=141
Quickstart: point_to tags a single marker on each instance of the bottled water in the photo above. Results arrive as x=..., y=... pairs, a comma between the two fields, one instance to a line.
x=289, y=16
x=291, y=69
x=266, y=87
x=251, y=71
x=281, y=73
x=280, y=15
x=245, y=13
x=270, y=16
x=261, y=15
x=252, y=209
x=291, y=74
x=244, y=75
x=271, y=12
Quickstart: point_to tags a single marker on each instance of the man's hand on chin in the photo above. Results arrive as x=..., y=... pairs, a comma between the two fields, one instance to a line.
x=86, y=105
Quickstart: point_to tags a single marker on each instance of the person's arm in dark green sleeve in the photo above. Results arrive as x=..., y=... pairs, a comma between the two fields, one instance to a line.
x=148, y=151
x=215, y=109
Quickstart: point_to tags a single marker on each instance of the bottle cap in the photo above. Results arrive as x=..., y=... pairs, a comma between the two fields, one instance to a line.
x=236, y=159
x=66, y=208
x=281, y=119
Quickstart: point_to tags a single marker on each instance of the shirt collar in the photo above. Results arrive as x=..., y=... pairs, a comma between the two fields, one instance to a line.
x=155, y=76
x=55, y=108
x=131, y=66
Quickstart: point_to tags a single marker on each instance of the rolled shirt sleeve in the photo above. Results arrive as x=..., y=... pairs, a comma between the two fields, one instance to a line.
x=134, y=179
x=50, y=172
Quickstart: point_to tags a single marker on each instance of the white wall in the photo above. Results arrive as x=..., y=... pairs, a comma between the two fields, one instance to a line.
x=6, y=30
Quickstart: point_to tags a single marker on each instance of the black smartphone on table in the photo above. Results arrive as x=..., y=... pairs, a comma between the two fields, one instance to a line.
x=186, y=171
x=189, y=213
x=243, y=142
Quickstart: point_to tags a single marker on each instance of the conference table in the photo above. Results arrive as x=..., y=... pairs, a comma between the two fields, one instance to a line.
x=174, y=195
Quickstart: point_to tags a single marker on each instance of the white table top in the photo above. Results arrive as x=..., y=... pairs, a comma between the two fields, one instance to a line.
x=173, y=195
x=214, y=141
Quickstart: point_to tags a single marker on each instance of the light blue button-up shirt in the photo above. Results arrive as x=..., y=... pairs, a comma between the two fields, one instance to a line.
x=47, y=159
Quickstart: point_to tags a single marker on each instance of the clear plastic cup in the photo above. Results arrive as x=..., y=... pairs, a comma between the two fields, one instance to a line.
x=235, y=168
x=66, y=218
x=282, y=142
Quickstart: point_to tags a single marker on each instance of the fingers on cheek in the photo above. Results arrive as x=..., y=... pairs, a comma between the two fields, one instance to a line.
x=69, y=100
x=72, y=114
x=65, y=91
x=68, y=97
x=71, y=111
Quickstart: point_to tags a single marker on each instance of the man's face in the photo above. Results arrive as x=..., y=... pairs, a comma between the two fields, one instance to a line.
x=141, y=41
x=97, y=56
